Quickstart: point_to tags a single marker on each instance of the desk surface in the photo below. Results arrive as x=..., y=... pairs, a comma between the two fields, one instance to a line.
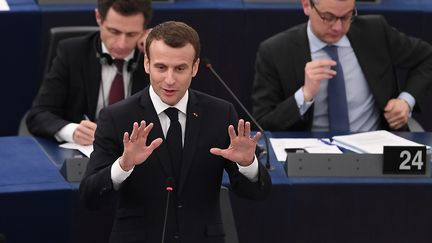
x=307, y=209
x=35, y=200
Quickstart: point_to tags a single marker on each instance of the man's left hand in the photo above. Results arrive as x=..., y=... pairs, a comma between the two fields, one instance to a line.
x=242, y=146
x=396, y=113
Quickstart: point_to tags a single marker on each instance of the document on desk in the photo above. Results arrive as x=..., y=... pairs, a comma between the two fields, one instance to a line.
x=86, y=150
x=4, y=5
x=311, y=145
x=372, y=142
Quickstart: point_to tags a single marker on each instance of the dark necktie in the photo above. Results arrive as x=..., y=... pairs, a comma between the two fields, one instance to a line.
x=117, y=88
x=174, y=141
x=336, y=96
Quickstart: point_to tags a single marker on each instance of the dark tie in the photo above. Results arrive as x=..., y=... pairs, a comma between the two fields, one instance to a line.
x=174, y=141
x=336, y=96
x=117, y=88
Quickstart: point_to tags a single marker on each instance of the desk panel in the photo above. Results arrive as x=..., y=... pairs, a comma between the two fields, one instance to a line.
x=312, y=209
x=35, y=201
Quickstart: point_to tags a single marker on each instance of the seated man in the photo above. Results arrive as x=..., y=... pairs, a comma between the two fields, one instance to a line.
x=132, y=161
x=337, y=73
x=92, y=72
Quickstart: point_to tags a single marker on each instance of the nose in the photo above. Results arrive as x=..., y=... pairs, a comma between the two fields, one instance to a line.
x=338, y=25
x=122, y=41
x=169, y=78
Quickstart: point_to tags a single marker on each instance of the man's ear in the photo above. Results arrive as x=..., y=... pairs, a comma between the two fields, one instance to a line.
x=195, y=67
x=146, y=64
x=306, y=7
x=98, y=17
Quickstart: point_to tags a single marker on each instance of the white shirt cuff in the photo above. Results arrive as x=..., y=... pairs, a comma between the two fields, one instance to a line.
x=409, y=99
x=301, y=104
x=118, y=175
x=65, y=134
x=250, y=171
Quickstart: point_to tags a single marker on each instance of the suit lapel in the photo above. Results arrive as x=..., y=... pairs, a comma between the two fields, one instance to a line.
x=303, y=52
x=149, y=115
x=193, y=124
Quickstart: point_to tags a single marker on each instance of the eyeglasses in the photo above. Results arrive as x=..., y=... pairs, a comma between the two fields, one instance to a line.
x=331, y=19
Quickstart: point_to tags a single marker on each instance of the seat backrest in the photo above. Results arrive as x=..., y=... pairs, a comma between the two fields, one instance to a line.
x=228, y=217
x=60, y=33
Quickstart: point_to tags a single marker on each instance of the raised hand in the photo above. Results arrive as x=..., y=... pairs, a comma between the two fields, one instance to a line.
x=314, y=72
x=242, y=146
x=135, y=149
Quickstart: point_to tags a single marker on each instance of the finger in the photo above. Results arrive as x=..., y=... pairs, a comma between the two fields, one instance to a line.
x=247, y=129
x=147, y=130
x=256, y=137
x=154, y=144
x=231, y=132
x=216, y=151
x=125, y=138
x=141, y=129
x=240, y=128
x=89, y=124
x=134, y=133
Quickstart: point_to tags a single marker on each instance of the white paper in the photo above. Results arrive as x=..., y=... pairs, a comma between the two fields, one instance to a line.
x=86, y=150
x=372, y=142
x=311, y=145
x=4, y=5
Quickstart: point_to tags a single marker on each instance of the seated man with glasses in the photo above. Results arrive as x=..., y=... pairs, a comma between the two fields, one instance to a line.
x=337, y=72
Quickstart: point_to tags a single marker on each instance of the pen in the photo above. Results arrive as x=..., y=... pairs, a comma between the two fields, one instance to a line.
x=86, y=117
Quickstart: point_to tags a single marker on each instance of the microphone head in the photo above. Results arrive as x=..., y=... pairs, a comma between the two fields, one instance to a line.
x=206, y=62
x=170, y=184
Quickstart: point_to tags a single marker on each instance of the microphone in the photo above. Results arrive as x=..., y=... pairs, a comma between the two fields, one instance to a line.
x=169, y=188
x=261, y=151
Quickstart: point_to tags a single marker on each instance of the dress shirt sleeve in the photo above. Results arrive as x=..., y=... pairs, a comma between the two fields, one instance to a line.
x=118, y=175
x=409, y=99
x=301, y=104
x=250, y=171
x=65, y=134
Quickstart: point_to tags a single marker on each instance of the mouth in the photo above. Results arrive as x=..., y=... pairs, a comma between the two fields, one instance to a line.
x=169, y=92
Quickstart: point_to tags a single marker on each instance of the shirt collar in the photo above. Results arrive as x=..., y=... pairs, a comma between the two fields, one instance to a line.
x=127, y=58
x=316, y=44
x=160, y=106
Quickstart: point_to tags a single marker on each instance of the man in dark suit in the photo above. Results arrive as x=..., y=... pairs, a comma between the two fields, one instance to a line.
x=138, y=165
x=293, y=77
x=79, y=83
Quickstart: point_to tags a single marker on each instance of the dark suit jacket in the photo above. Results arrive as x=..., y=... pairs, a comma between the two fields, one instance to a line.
x=194, y=212
x=380, y=49
x=71, y=87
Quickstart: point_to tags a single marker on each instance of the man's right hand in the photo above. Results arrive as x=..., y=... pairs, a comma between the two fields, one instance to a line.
x=84, y=133
x=135, y=149
x=314, y=72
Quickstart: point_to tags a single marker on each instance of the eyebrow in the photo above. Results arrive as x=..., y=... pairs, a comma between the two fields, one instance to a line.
x=350, y=11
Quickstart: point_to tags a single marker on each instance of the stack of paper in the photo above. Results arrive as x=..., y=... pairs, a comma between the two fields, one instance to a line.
x=311, y=145
x=372, y=142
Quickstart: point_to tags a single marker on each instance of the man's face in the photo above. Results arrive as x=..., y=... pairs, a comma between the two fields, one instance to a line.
x=171, y=70
x=120, y=33
x=322, y=18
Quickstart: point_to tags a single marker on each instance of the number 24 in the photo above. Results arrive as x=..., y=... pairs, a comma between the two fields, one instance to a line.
x=416, y=161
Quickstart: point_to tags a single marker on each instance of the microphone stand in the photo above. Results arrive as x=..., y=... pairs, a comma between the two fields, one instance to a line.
x=266, y=140
x=169, y=188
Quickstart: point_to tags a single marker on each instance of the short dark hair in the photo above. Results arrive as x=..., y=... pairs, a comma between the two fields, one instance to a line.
x=174, y=34
x=126, y=8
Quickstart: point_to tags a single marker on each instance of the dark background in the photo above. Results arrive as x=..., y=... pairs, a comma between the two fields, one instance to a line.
x=230, y=32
